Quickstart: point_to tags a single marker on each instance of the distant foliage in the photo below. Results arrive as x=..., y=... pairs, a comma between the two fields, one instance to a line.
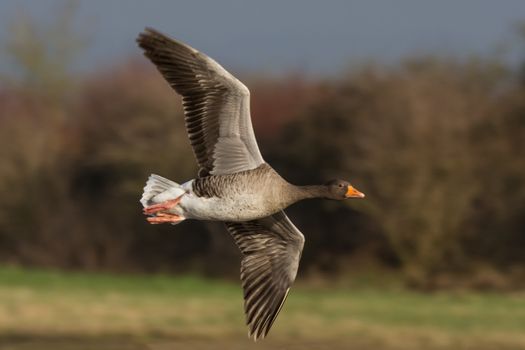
x=436, y=145
x=438, y=148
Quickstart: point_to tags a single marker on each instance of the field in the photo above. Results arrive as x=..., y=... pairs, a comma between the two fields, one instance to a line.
x=42, y=310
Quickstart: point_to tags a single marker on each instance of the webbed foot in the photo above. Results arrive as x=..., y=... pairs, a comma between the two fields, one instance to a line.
x=155, y=208
x=161, y=218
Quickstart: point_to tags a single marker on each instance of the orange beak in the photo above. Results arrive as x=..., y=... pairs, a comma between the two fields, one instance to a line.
x=352, y=192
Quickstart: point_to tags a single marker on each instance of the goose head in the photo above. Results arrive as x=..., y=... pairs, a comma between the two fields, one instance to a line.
x=340, y=189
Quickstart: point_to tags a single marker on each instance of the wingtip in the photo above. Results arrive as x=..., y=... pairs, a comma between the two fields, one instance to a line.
x=252, y=337
x=141, y=37
x=256, y=334
x=149, y=30
x=147, y=34
x=151, y=37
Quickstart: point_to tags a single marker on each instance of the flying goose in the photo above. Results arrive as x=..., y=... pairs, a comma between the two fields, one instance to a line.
x=234, y=184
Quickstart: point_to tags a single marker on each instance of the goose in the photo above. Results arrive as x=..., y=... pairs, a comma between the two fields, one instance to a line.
x=234, y=184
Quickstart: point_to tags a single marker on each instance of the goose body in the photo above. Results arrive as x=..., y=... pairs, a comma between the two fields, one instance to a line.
x=234, y=184
x=235, y=198
x=228, y=197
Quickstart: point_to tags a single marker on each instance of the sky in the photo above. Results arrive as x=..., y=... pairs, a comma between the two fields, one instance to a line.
x=312, y=37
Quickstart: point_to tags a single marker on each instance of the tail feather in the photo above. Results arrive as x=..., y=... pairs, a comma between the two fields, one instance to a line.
x=156, y=185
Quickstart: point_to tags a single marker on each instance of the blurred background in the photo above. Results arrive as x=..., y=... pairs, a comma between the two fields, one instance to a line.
x=421, y=105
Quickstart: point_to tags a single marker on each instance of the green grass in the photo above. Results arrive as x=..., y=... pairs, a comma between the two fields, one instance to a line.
x=53, y=310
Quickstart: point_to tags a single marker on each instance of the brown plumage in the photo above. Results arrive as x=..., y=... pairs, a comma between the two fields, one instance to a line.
x=235, y=185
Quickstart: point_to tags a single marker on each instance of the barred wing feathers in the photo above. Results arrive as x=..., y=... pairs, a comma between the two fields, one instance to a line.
x=216, y=105
x=272, y=249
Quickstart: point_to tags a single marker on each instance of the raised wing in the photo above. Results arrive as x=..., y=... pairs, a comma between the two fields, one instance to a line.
x=272, y=249
x=216, y=105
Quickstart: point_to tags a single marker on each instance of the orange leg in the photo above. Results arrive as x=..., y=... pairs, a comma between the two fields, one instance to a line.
x=162, y=218
x=152, y=209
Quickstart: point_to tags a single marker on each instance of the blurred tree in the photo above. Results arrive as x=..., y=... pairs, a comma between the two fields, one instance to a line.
x=409, y=138
x=44, y=52
x=437, y=145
